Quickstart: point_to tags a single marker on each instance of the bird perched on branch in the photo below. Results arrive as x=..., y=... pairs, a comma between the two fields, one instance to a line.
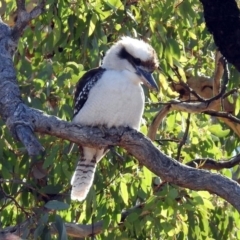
x=111, y=95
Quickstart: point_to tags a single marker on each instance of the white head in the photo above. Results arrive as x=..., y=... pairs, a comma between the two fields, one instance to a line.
x=135, y=56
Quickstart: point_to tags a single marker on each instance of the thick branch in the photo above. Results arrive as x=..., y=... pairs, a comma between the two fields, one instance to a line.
x=14, y=232
x=140, y=147
x=10, y=98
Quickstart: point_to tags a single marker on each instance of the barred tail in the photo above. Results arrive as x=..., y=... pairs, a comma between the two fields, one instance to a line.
x=82, y=179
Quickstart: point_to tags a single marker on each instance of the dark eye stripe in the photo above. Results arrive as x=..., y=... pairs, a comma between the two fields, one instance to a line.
x=125, y=55
x=136, y=61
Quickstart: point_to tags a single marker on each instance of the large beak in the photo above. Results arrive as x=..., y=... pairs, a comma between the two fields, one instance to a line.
x=147, y=78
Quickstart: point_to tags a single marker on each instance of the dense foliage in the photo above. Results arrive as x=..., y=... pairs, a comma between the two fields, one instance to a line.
x=54, y=52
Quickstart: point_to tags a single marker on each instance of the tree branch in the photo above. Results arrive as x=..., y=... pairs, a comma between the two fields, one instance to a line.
x=136, y=144
x=194, y=91
x=152, y=130
x=10, y=97
x=141, y=148
x=186, y=86
x=222, y=68
x=223, y=115
x=212, y=164
x=23, y=17
x=184, y=138
x=73, y=229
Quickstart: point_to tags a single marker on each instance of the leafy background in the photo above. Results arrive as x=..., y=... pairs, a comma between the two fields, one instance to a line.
x=55, y=50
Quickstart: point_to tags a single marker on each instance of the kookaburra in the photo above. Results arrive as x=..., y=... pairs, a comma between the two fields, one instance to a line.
x=111, y=95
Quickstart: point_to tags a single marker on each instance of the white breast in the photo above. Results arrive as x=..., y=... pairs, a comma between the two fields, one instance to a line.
x=117, y=99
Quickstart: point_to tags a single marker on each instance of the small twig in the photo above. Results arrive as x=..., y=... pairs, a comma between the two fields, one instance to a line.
x=184, y=138
x=178, y=4
x=190, y=107
x=17, y=181
x=119, y=156
x=222, y=115
x=155, y=103
x=167, y=140
x=16, y=203
x=23, y=17
x=200, y=108
x=110, y=182
x=159, y=186
x=219, y=95
x=232, y=91
x=185, y=85
x=212, y=164
x=224, y=83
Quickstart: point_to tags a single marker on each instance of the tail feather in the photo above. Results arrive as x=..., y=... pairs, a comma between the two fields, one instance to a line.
x=82, y=179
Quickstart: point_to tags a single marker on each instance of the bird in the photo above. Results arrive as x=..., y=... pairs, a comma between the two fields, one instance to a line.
x=111, y=95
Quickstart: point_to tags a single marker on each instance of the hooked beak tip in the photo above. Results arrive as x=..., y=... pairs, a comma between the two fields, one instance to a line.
x=148, y=79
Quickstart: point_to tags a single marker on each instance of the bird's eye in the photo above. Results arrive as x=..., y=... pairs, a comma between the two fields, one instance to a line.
x=137, y=61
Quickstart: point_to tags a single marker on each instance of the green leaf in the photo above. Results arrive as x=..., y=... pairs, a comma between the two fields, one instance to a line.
x=38, y=231
x=192, y=35
x=208, y=204
x=182, y=74
x=76, y=67
x=132, y=217
x=185, y=227
x=147, y=177
x=195, y=140
x=217, y=130
x=52, y=189
x=114, y=4
x=51, y=157
x=56, y=205
x=60, y=228
x=56, y=30
x=237, y=106
x=40, y=82
x=171, y=121
x=46, y=235
x=43, y=220
x=124, y=192
x=168, y=54
x=92, y=24
x=173, y=193
x=175, y=51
